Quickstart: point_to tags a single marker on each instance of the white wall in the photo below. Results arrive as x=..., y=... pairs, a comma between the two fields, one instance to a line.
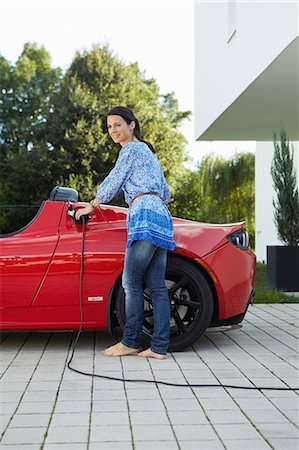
x=225, y=69
x=266, y=233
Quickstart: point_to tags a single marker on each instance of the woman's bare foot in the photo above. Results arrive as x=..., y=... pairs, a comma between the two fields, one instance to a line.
x=120, y=349
x=148, y=353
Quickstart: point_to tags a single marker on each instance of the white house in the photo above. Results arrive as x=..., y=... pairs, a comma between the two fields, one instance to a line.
x=247, y=86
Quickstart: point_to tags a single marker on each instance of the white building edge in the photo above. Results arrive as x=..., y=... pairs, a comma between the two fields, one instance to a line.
x=247, y=86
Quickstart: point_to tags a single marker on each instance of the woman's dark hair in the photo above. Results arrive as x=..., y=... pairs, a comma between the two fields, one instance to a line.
x=128, y=116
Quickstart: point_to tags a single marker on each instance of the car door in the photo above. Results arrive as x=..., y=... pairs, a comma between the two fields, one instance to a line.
x=26, y=256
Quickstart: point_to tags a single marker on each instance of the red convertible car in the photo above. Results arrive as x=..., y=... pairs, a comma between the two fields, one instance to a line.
x=210, y=275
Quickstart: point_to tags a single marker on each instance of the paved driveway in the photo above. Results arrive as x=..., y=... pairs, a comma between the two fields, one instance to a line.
x=46, y=406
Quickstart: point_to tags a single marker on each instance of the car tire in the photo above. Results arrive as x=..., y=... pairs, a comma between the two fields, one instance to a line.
x=191, y=300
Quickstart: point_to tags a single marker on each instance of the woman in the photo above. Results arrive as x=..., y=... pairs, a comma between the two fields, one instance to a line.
x=150, y=232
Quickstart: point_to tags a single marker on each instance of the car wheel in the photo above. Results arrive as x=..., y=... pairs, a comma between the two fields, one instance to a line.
x=191, y=301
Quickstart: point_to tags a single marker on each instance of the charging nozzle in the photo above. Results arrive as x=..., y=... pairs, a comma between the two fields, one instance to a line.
x=71, y=212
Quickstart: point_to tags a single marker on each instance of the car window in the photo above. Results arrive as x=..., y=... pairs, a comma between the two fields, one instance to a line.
x=13, y=218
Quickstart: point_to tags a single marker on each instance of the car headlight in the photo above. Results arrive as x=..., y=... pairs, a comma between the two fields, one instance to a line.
x=240, y=239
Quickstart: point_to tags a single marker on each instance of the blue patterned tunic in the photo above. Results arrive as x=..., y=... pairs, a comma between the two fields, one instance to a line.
x=137, y=170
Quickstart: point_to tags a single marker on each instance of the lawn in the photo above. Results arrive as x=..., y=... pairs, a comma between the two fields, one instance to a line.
x=263, y=294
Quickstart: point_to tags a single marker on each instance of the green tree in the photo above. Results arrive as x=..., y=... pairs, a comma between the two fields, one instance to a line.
x=220, y=190
x=26, y=103
x=95, y=82
x=286, y=206
x=53, y=126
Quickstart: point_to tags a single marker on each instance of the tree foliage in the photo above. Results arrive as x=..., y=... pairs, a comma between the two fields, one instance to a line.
x=53, y=126
x=286, y=205
x=220, y=191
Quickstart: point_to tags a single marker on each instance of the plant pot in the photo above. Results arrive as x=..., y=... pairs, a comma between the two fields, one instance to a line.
x=283, y=267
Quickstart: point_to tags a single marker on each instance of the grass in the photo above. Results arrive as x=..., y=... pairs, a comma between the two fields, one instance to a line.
x=264, y=294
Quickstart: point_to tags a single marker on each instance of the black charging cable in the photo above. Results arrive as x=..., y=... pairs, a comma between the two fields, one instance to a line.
x=131, y=380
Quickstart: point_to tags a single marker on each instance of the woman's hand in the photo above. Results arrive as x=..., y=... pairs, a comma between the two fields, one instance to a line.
x=84, y=211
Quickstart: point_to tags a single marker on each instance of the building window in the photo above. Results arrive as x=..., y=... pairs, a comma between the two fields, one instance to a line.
x=231, y=19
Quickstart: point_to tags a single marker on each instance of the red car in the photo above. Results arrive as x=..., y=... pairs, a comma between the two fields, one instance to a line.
x=210, y=275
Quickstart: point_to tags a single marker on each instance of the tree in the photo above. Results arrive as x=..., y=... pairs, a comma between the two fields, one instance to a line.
x=220, y=190
x=26, y=104
x=95, y=82
x=286, y=206
x=53, y=126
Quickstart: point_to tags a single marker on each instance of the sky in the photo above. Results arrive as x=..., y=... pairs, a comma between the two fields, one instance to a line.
x=158, y=34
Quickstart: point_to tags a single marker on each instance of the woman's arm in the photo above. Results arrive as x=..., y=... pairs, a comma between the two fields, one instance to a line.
x=115, y=180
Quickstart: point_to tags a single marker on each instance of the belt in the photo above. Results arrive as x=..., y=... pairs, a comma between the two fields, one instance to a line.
x=144, y=193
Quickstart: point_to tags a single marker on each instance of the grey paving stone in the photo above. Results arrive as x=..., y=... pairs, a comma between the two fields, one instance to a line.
x=266, y=416
x=29, y=420
x=60, y=446
x=255, y=403
x=39, y=396
x=35, y=407
x=24, y=436
x=284, y=444
x=109, y=418
x=67, y=434
x=218, y=403
x=157, y=445
x=143, y=394
x=202, y=444
x=72, y=407
x=109, y=394
x=188, y=417
x=281, y=430
x=111, y=446
x=146, y=405
x=109, y=405
x=110, y=433
x=149, y=418
x=247, y=444
x=237, y=431
x=182, y=404
x=17, y=447
x=176, y=393
x=148, y=433
x=194, y=432
x=70, y=420
x=227, y=416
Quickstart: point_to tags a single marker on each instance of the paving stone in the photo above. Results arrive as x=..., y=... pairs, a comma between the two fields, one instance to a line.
x=149, y=418
x=284, y=444
x=187, y=417
x=70, y=420
x=69, y=446
x=236, y=431
x=67, y=434
x=111, y=446
x=229, y=416
x=157, y=445
x=194, y=432
x=30, y=420
x=147, y=433
x=247, y=444
x=284, y=430
x=109, y=418
x=146, y=405
x=24, y=436
x=201, y=444
x=110, y=433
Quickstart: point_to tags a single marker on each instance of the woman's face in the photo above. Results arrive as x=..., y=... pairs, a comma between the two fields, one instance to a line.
x=119, y=130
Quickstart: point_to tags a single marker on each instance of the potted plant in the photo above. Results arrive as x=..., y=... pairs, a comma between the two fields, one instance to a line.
x=283, y=260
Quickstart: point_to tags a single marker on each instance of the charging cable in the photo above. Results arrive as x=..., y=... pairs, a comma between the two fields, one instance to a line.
x=130, y=380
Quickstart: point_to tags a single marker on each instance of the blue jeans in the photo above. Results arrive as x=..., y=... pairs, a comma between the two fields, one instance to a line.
x=145, y=261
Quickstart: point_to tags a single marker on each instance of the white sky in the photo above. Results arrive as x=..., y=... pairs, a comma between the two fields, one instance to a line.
x=158, y=34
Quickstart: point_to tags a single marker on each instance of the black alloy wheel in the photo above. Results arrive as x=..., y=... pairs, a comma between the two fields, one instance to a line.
x=191, y=300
